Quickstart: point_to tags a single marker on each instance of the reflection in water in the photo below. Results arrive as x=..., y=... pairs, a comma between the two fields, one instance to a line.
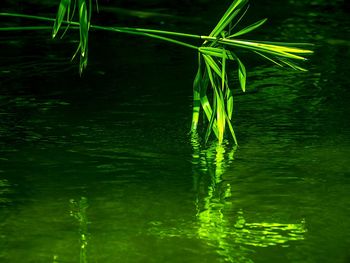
x=78, y=211
x=61, y=142
x=4, y=191
x=216, y=224
x=220, y=224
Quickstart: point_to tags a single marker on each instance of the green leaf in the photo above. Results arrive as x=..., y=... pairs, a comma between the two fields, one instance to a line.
x=292, y=65
x=211, y=62
x=90, y=12
x=231, y=130
x=218, y=98
x=280, y=51
x=97, y=8
x=212, y=116
x=62, y=9
x=268, y=58
x=242, y=74
x=205, y=101
x=249, y=28
x=216, y=52
x=229, y=103
x=227, y=18
x=286, y=44
x=84, y=31
x=211, y=122
x=232, y=26
x=196, y=95
x=223, y=73
x=204, y=98
x=220, y=113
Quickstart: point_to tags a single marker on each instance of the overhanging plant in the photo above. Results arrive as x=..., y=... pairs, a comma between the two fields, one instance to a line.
x=212, y=93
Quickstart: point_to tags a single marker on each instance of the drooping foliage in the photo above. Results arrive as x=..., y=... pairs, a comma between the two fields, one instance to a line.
x=217, y=56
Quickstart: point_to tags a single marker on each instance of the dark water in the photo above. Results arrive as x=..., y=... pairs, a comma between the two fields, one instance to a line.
x=101, y=168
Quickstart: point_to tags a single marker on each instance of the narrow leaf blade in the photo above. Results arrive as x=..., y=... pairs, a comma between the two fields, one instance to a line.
x=84, y=31
x=227, y=18
x=62, y=9
x=249, y=28
x=196, y=96
x=242, y=74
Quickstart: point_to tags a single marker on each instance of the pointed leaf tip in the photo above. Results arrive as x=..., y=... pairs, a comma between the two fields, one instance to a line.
x=62, y=9
x=242, y=74
x=249, y=28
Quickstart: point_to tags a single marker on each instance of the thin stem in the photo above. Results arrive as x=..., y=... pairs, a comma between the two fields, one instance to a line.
x=23, y=28
x=42, y=18
x=156, y=31
x=140, y=33
x=126, y=30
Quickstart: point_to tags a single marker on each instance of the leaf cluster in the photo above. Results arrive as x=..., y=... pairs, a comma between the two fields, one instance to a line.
x=215, y=57
x=66, y=12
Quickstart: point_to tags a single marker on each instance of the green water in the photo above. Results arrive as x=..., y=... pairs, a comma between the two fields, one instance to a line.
x=102, y=169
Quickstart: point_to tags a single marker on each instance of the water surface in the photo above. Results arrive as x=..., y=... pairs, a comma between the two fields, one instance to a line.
x=101, y=168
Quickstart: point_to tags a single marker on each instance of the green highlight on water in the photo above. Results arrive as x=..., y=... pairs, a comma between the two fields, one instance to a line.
x=78, y=211
x=217, y=56
x=215, y=223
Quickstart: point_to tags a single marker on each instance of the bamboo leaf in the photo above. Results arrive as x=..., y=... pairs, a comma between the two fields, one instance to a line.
x=286, y=44
x=232, y=26
x=62, y=9
x=242, y=74
x=227, y=18
x=268, y=58
x=270, y=49
x=249, y=28
x=84, y=31
x=229, y=103
x=90, y=12
x=211, y=121
x=204, y=98
x=218, y=98
x=205, y=101
x=231, y=130
x=292, y=65
x=219, y=130
x=220, y=113
x=216, y=52
x=69, y=19
x=223, y=73
x=213, y=65
x=97, y=7
x=196, y=95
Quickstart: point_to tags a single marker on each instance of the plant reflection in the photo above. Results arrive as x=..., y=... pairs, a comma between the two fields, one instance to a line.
x=78, y=211
x=230, y=233
x=4, y=191
x=219, y=223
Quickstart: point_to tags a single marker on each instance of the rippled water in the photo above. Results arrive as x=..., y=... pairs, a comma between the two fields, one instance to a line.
x=102, y=169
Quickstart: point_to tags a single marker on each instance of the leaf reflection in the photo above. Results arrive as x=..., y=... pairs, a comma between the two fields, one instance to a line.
x=4, y=191
x=78, y=211
x=219, y=223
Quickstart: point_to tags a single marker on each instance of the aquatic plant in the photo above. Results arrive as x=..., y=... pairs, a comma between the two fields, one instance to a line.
x=216, y=53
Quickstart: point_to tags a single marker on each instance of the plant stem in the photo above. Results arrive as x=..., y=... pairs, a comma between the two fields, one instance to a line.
x=152, y=33
x=140, y=33
x=42, y=18
x=156, y=31
x=22, y=28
